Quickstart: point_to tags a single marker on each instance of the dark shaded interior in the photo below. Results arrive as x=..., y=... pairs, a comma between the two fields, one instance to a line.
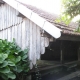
x=53, y=52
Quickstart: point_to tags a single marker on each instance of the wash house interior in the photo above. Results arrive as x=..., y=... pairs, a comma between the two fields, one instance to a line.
x=61, y=50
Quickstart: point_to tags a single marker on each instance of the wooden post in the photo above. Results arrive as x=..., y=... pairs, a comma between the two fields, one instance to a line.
x=78, y=58
x=61, y=53
x=79, y=53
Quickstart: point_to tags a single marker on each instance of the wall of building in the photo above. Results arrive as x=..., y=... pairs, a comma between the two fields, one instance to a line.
x=26, y=33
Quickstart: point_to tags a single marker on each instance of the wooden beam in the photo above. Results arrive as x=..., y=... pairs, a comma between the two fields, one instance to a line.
x=45, y=34
x=69, y=37
x=21, y=15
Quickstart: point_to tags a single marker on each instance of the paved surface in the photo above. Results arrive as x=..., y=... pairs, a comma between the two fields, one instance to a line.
x=63, y=75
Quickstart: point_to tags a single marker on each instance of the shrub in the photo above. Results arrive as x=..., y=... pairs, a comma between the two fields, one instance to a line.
x=14, y=62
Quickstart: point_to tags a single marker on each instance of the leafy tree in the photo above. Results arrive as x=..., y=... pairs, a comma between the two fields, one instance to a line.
x=71, y=9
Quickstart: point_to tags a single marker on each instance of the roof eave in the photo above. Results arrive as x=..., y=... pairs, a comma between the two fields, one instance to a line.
x=34, y=17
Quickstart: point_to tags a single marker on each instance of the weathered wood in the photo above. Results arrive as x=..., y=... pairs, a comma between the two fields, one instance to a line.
x=6, y=34
x=13, y=32
x=26, y=33
x=42, y=45
x=21, y=15
x=0, y=17
x=9, y=35
x=46, y=41
x=51, y=39
x=3, y=35
x=23, y=35
x=69, y=37
x=0, y=35
x=3, y=8
x=19, y=34
x=38, y=42
x=34, y=44
x=61, y=52
x=45, y=34
x=7, y=16
x=31, y=45
x=15, y=35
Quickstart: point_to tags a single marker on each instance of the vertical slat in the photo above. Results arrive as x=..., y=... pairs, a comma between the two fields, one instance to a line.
x=16, y=17
x=46, y=42
x=9, y=35
x=31, y=45
x=1, y=34
x=9, y=16
x=2, y=16
x=13, y=32
x=38, y=43
x=34, y=43
x=12, y=16
x=6, y=15
x=51, y=39
x=23, y=35
x=6, y=34
x=19, y=40
x=27, y=33
x=15, y=21
x=42, y=45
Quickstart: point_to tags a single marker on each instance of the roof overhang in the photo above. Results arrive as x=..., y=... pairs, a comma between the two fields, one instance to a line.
x=34, y=17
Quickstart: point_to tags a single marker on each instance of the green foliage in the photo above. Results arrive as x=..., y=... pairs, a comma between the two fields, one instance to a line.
x=14, y=62
x=71, y=9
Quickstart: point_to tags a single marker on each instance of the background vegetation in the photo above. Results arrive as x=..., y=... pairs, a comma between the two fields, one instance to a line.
x=70, y=10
